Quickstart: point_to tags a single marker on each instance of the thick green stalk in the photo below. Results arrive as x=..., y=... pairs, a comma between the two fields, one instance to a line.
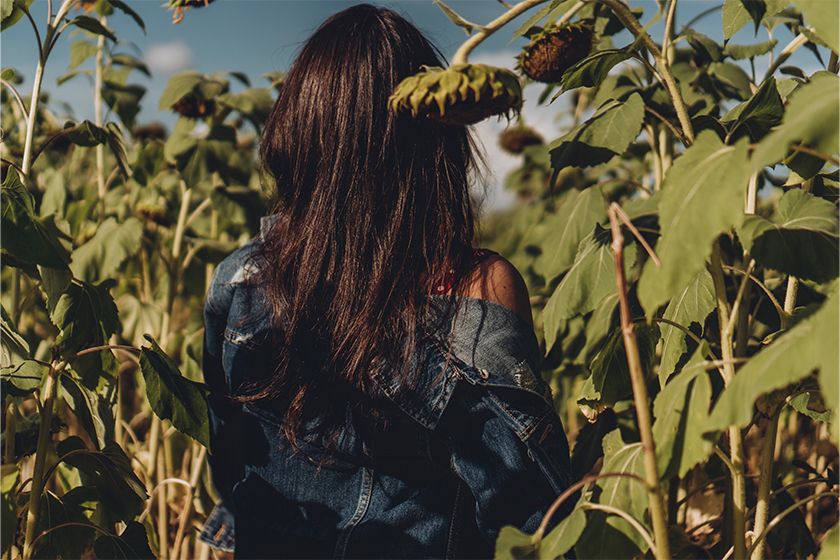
x=97, y=113
x=762, y=508
x=765, y=483
x=38, y=79
x=467, y=47
x=26, y=164
x=41, y=454
x=736, y=444
x=156, y=463
x=656, y=504
x=187, y=511
x=632, y=24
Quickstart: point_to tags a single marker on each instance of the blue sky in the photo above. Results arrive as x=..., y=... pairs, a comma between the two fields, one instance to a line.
x=259, y=36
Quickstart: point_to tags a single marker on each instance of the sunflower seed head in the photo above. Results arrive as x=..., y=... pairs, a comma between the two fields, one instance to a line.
x=462, y=94
x=554, y=50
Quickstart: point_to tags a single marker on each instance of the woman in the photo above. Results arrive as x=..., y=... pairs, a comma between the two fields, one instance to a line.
x=374, y=387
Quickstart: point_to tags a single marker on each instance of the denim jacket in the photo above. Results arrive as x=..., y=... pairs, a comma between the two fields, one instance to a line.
x=478, y=446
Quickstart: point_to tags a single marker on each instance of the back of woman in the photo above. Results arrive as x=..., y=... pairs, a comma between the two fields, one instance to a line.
x=373, y=377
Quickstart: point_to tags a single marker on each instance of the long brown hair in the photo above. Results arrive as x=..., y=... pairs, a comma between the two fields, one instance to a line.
x=373, y=208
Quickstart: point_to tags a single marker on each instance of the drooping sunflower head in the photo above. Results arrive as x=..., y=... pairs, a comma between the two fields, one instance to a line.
x=554, y=50
x=461, y=94
x=179, y=7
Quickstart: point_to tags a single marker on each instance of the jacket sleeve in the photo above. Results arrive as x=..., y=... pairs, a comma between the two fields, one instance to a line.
x=225, y=414
x=508, y=446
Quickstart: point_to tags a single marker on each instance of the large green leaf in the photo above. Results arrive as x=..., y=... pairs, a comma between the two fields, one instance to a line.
x=732, y=78
x=610, y=379
x=54, y=281
x=13, y=347
x=590, y=279
x=760, y=112
x=800, y=239
x=735, y=16
x=592, y=70
x=702, y=197
x=681, y=409
x=80, y=51
x=131, y=544
x=103, y=254
x=126, y=9
x=173, y=396
x=72, y=532
x=823, y=16
x=574, y=220
x=810, y=119
x=563, y=537
x=178, y=86
x=116, y=143
x=85, y=134
x=86, y=316
x=539, y=15
x=85, y=405
x=23, y=378
x=138, y=318
x=737, y=13
x=11, y=11
x=810, y=345
x=689, y=308
x=8, y=511
x=740, y=52
x=513, y=544
x=255, y=103
x=94, y=26
x=612, y=537
x=600, y=325
x=704, y=45
x=110, y=472
x=124, y=100
x=607, y=133
x=27, y=237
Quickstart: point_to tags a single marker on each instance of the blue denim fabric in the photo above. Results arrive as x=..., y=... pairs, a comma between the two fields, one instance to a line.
x=476, y=444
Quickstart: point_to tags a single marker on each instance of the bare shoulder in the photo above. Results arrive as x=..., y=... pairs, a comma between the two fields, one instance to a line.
x=495, y=279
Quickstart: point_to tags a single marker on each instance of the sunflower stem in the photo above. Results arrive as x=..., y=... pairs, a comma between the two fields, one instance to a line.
x=462, y=54
x=632, y=24
x=641, y=399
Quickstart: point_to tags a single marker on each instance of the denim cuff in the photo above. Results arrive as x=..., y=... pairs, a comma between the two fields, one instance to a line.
x=218, y=529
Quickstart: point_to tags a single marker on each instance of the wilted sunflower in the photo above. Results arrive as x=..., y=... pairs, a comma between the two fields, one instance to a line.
x=151, y=131
x=554, y=50
x=179, y=7
x=194, y=107
x=461, y=94
x=515, y=139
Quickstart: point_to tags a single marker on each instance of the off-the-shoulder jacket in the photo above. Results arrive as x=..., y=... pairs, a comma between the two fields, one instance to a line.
x=477, y=444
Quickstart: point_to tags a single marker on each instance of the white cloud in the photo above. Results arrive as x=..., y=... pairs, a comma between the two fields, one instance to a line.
x=167, y=58
x=540, y=117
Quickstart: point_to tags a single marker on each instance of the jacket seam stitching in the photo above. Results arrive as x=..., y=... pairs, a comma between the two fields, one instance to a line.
x=452, y=536
x=361, y=509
